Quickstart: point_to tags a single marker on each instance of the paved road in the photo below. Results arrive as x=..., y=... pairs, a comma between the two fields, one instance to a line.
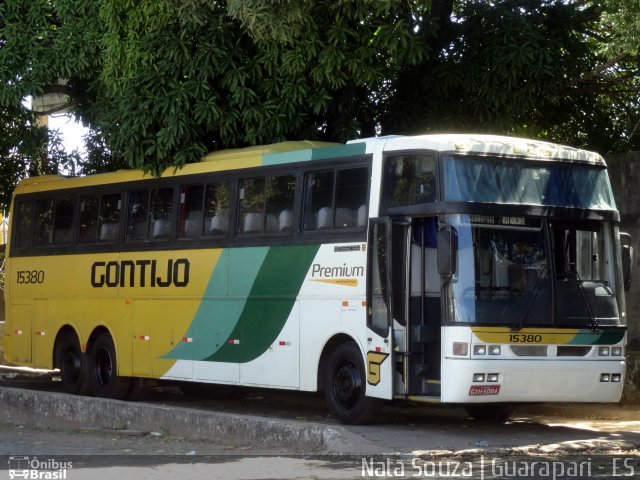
x=130, y=455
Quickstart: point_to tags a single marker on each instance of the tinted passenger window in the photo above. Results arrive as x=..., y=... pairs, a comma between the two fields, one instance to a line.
x=409, y=180
x=336, y=199
x=54, y=221
x=266, y=204
x=44, y=222
x=110, y=206
x=160, y=213
x=149, y=214
x=24, y=219
x=216, y=208
x=204, y=210
x=89, y=218
x=99, y=218
x=137, y=215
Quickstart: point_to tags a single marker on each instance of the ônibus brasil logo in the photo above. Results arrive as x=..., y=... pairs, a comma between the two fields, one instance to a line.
x=35, y=469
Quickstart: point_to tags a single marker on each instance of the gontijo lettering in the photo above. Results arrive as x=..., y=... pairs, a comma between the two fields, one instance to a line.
x=140, y=273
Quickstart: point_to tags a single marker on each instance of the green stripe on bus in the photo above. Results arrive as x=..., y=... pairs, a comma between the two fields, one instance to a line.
x=339, y=151
x=322, y=153
x=269, y=305
x=287, y=157
x=218, y=314
x=605, y=336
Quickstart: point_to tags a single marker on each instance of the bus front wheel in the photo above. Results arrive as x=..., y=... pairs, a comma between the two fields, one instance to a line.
x=72, y=364
x=345, y=386
x=103, y=370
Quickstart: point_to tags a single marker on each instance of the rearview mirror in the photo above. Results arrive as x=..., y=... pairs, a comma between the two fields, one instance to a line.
x=627, y=259
x=447, y=250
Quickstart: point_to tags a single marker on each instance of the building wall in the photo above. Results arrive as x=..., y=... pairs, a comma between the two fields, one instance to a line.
x=624, y=170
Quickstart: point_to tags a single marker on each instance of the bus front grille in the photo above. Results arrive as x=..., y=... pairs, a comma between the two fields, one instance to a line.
x=530, y=350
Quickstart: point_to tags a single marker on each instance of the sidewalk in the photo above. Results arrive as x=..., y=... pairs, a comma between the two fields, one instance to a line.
x=300, y=423
x=603, y=411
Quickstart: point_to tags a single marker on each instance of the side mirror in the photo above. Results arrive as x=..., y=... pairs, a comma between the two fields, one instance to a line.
x=447, y=251
x=627, y=259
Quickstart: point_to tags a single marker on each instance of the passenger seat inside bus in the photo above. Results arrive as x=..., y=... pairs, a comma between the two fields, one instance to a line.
x=345, y=218
x=252, y=223
x=219, y=223
x=161, y=228
x=109, y=232
x=193, y=224
x=286, y=220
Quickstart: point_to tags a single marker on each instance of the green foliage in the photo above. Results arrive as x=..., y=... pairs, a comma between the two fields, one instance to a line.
x=161, y=82
x=28, y=150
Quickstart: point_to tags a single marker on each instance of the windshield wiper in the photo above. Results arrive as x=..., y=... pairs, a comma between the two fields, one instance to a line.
x=534, y=293
x=593, y=321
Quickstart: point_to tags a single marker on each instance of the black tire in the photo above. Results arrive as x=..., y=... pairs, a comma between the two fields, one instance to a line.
x=72, y=364
x=345, y=386
x=103, y=368
x=496, y=413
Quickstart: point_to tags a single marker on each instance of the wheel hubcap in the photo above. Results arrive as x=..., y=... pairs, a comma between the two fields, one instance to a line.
x=347, y=384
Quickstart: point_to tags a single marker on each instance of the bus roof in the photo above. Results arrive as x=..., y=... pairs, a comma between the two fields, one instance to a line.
x=486, y=144
x=299, y=151
x=232, y=159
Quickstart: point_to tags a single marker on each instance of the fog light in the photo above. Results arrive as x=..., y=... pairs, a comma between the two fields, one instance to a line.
x=494, y=349
x=493, y=377
x=460, y=349
x=616, y=351
x=605, y=377
x=603, y=351
x=478, y=377
x=616, y=377
x=479, y=349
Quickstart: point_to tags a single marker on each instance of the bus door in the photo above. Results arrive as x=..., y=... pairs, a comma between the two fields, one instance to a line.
x=379, y=347
x=422, y=315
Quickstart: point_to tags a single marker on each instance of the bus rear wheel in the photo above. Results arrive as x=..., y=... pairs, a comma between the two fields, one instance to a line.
x=103, y=376
x=72, y=364
x=345, y=386
x=490, y=413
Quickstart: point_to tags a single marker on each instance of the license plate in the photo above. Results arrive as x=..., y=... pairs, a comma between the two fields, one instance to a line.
x=477, y=390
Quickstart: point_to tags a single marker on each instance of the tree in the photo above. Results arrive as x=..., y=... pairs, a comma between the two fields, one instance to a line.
x=162, y=82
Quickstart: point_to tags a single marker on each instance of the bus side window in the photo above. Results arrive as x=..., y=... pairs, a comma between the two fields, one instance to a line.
x=24, y=219
x=336, y=199
x=137, y=216
x=279, y=204
x=89, y=217
x=110, y=206
x=160, y=214
x=191, y=201
x=63, y=220
x=266, y=204
x=409, y=180
x=251, y=219
x=318, y=201
x=44, y=222
x=351, y=198
x=216, y=208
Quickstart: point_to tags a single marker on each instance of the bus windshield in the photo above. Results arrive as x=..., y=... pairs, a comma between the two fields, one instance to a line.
x=524, y=271
x=474, y=179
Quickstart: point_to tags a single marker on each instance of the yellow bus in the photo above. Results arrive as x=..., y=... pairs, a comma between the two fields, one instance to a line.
x=475, y=270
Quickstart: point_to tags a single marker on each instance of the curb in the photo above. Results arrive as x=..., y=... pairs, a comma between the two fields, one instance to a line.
x=59, y=410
